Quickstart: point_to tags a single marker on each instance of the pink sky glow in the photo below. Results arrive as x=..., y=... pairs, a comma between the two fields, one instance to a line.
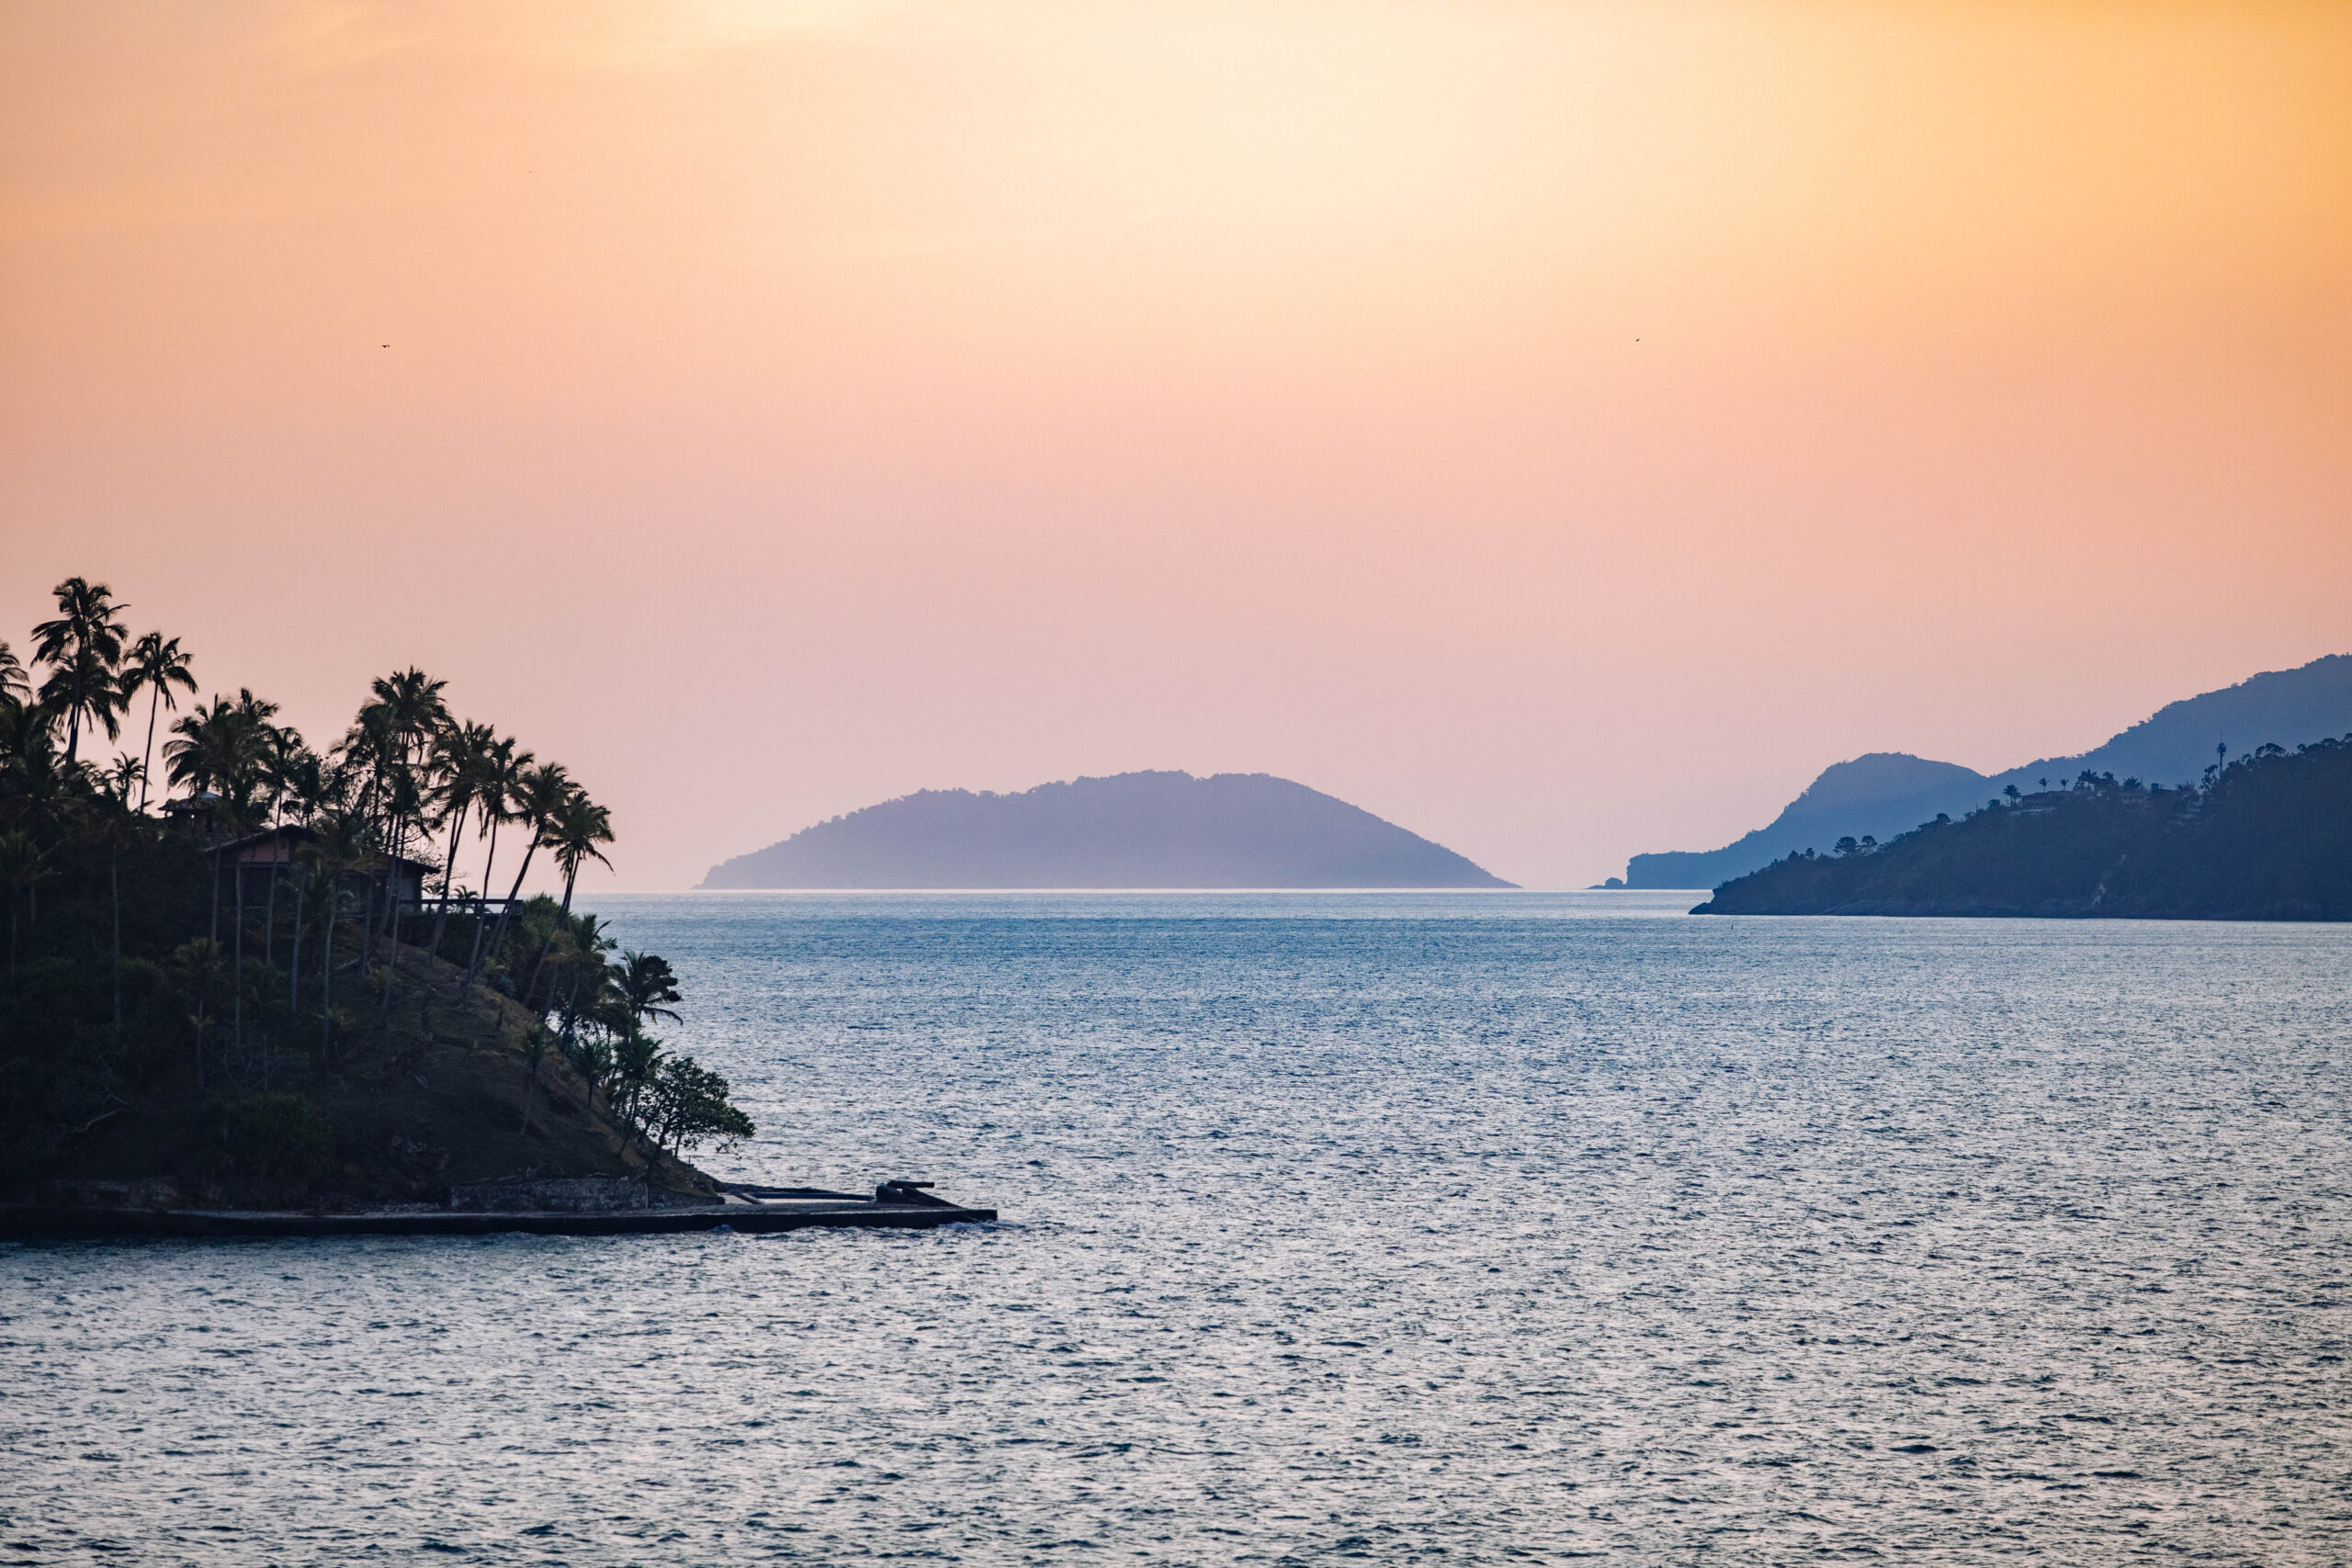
x=1559, y=429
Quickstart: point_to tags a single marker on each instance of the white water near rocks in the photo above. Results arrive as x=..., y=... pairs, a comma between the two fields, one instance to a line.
x=1457, y=1228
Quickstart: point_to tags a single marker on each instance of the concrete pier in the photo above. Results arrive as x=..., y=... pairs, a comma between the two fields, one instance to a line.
x=894, y=1206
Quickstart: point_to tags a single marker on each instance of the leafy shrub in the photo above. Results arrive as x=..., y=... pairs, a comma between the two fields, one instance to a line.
x=273, y=1137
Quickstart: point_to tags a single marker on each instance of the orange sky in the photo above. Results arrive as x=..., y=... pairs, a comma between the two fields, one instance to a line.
x=1560, y=429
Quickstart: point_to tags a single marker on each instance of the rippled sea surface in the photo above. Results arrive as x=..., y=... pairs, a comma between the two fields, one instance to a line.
x=1457, y=1228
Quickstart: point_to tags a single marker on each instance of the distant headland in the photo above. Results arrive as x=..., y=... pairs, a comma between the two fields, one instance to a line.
x=2269, y=837
x=1885, y=792
x=1140, y=830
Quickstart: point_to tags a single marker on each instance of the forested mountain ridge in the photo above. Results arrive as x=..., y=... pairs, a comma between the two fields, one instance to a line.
x=1883, y=793
x=1140, y=830
x=2269, y=838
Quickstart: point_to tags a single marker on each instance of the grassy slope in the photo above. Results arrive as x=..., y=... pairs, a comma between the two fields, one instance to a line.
x=433, y=1100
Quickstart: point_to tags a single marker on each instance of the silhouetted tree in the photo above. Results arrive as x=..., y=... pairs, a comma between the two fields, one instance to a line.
x=158, y=666
x=82, y=646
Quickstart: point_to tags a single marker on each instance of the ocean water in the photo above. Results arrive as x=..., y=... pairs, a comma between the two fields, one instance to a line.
x=1453, y=1228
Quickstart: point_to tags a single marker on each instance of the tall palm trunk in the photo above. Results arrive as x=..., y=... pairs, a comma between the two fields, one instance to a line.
x=448, y=871
x=237, y=967
x=531, y=983
x=481, y=907
x=571, y=1007
x=392, y=918
x=326, y=980
x=114, y=888
x=203, y=1012
x=204, y=1006
x=569, y=877
x=74, y=716
x=488, y=861
x=269, y=923
x=392, y=934
x=294, y=961
x=498, y=937
x=367, y=944
x=148, y=756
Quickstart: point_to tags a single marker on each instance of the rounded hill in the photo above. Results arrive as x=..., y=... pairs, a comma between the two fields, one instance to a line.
x=1143, y=829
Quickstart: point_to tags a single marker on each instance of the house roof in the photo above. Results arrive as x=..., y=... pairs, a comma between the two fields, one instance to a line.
x=294, y=833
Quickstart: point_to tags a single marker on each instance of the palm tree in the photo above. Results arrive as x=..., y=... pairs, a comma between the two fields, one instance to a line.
x=404, y=715
x=639, y=985
x=14, y=687
x=39, y=789
x=111, y=824
x=282, y=758
x=368, y=755
x=404, y=803
x=538, y=795
x=224, y=748
x=157, y=665
x=501, y=801
x=339, y=844
x=396, y=728
x=22, y=728
x=287, y=766
x=645, y=981
x=84, y=687
x=257, y=737
x=82, y=645
x=586, y=963
x=302, y=883
x=578, y=827
x=128, y=773
x=637, y=1058
x=462, y=756
x=221, y=747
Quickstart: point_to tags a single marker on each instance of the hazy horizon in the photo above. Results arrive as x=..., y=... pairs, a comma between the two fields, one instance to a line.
x=1560, y=434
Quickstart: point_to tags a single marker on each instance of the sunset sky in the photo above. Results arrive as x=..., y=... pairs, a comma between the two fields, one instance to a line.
x=1559, y=429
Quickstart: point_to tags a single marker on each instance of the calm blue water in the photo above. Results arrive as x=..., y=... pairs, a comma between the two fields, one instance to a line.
x=1454, y=1228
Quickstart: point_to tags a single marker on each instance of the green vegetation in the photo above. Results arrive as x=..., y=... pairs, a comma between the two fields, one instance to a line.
x=276, y=984
x=2267, y=837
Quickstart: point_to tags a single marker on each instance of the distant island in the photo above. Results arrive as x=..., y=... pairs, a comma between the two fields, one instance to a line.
x=2266, y=838
x=1884, y=793
x=1140, y=830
